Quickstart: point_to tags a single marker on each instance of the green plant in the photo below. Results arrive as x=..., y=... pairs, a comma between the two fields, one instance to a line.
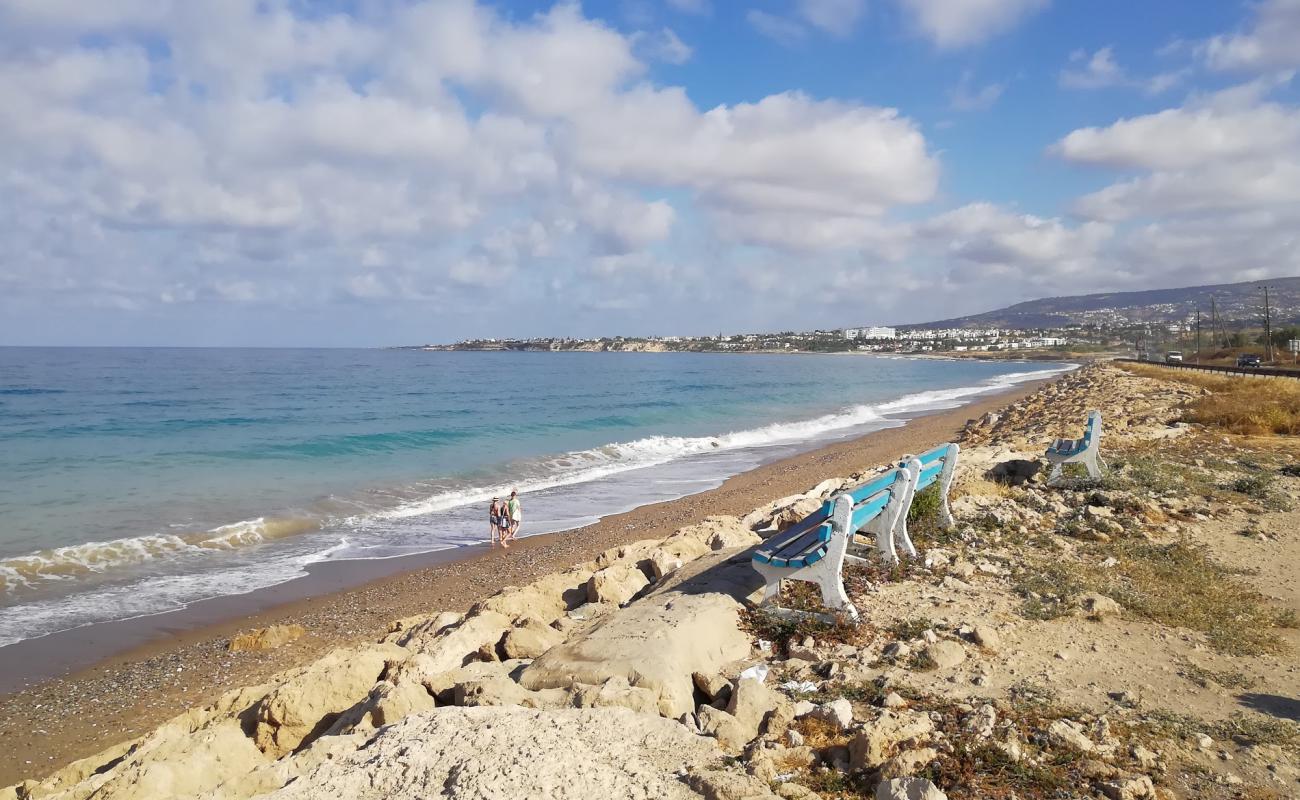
x=925, y=504
x=1257, y=485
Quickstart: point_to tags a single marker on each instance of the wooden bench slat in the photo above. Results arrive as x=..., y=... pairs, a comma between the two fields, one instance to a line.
x=870, y=509
x=868, y=489
x=936, y=453
x=928, y=476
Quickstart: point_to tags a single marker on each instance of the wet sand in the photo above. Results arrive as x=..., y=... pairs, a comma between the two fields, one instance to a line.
x=121, y=679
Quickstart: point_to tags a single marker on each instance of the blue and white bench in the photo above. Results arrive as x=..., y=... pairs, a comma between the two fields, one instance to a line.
x=815, y=548
x=937, y=465
x=1086, y=451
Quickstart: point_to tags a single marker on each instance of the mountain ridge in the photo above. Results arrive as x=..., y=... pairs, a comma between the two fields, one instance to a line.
x=1235, y=303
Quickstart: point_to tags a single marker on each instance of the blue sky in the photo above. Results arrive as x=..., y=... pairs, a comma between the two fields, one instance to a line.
x=233, y=172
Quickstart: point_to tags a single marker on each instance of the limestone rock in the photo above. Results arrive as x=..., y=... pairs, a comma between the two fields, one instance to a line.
x=838, y=713
x=529, y=641
x=616, y=584
x=719, y=784
x=732, y=736
x=266, y=638
x=1099, y=606
x=881, y=739
x=568, y=754
x=987, y=637
x=945, y=654
x=907, y=763
x=1129, y=788
x=908, y=789
x=616, y=692
x=313, y=697
x=449, y=648
x=713, y=685
x=663, y=564
x=1068, y=735
x=751, y=703
x=690, y=624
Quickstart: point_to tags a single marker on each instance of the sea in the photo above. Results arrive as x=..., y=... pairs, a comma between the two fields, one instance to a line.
x=138, y=481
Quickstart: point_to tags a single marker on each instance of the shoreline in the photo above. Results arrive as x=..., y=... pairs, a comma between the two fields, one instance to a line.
x=124, y=677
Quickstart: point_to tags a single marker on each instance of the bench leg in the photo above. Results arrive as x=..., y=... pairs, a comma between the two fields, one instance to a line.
x=901, y=538
x=1056, y=473
x=1090, y=463
x=885, y=544
x=772, y=590
x=834, y=596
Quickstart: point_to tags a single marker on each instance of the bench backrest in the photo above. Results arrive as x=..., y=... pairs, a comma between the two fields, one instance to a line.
x=933, y=464
x=1092, y=433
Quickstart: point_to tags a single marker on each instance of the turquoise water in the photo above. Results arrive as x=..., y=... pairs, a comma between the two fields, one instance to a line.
x=138, y=480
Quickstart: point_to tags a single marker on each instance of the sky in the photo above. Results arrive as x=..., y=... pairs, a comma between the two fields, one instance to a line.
x=384, y=172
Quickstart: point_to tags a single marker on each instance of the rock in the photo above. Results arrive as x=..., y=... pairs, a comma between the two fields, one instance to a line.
x=1130, y=788
x=437, y=622
x=568, y=754
x=1015, y=472
x=896, y=650
x=1202, y=741
x=449, y=648
x=720, y=784
x=616, y=584
x=880, y=739
x=1064, y=733
x=751, y=703
x=529, y=641
x=712, y=685
x=1099, y=606
x=501, y=691
x=907, y=763
x=661, y=640
x=981, y=721
x=387, y=703
x=838, y=713
x=1092, y=768
x=987, y=637
x=962, y=569
x=1143, y=757
x=794, y=738
x=803, y=708
x=893, y=700
x=663, y=564
x=793, y=791
x=615, y=692
x=312, y=698
x=908, y=789
x=266, y=638
x=944, y=654
x=731, y=735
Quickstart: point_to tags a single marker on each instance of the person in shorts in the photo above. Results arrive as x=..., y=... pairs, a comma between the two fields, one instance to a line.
x=497, y=522
x=514, y=514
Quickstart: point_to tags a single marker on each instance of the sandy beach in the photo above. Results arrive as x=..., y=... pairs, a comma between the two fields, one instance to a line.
x=72, y=694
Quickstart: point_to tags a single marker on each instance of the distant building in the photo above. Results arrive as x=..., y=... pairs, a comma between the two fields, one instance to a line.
x=876, y=332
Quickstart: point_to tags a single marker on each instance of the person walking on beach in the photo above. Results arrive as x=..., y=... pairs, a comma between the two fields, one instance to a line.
x=515, y=513
x=497, y=522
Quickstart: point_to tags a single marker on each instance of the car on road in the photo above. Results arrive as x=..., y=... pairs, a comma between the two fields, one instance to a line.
x=1174, y=357
x=1248, y=360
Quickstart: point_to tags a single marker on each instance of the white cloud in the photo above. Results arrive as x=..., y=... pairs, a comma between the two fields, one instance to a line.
x=1272, y=41
x=1185, y=137
x=965, y=96
x=951, y=24
x=836, y=17
x=783, y=31
x=664, y=45
x=1100, y=71
x=268, y=156
x=691, y=6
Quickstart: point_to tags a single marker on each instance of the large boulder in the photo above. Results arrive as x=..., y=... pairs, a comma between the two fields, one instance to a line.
x=691, y=624
x=546, y=598
x=312, y=698
x=453, y=647
x=616, y=584
x=529, y=640
x=568, y=754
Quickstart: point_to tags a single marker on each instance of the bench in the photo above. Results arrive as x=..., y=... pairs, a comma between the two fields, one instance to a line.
x=1086, y=451
x=935, y=466
x=815, y=548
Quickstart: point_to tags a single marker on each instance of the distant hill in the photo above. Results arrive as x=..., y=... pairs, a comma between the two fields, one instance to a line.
x=1236, y=302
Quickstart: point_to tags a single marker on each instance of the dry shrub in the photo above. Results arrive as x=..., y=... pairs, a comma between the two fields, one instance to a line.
x=1244, y=405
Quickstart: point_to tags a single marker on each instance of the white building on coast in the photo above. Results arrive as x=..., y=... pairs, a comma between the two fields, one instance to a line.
x=875, y=332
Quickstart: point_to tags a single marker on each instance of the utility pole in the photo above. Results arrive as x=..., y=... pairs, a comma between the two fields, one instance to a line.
x=1268, y=330
x=1198, y=336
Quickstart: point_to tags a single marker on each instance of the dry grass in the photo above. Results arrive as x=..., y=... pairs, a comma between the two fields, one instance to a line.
x=1175, y=585
x=1248, y=406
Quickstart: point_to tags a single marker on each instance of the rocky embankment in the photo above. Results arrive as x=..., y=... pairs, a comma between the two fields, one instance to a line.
x=1102, y=639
